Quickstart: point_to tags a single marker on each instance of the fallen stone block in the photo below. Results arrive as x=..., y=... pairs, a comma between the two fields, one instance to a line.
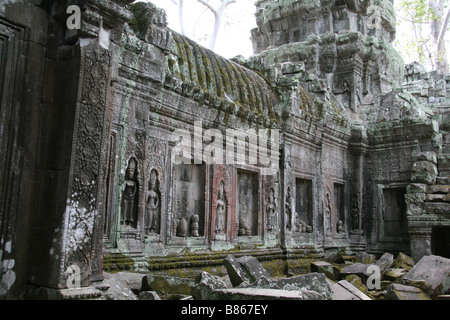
x=359, y=269
x=235, y=271
x=403, y=261
x=244, y=270
x=402, y=292
x=132, y=279
x=385, y=262
x=206, y=285
x=165, y=285
x=395, y=274
x=118, y=289
x=433, y=273
x=325, y=268
x=263, y=283
x=265, y=294
x=253, y=268
x=344, y=290
x=312, y=281
x=366, y=258
x=357, y=282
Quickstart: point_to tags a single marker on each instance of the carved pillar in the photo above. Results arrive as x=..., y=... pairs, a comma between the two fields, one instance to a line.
x=87, y=99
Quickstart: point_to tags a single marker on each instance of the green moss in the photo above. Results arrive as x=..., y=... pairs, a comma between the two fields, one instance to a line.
x=117, y=262
x=357, y=282
x=276, y=268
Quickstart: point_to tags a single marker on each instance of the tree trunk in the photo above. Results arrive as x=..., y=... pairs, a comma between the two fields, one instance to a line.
x=438, y=28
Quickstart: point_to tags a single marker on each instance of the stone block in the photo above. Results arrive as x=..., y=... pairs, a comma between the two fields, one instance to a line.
x=437, y=197
x=344, y=290
x=325, y=268
x=416, y=188
x=415, y=197
x=235, y=271
x=395, y=274
x=118, y=289
x=359, y=269
x=132, y=279
x=312, y=281
x=434, y=274
x=423, y=177
x=366, y=258
x=357, y=282
x=424, y=167
x=253, y=268
x=429, y=156
x=385, y=262
x=403, y=261
x=265, y=294
x=165, y=285
x=440, y=189
x=443, y=180
x=244, y=270
x=206, y=285
x=402, y=292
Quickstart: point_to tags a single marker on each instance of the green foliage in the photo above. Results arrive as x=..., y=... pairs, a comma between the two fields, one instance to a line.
x=416, y=23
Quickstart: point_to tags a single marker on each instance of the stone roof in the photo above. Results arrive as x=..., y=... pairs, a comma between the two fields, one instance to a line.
x=197, y=71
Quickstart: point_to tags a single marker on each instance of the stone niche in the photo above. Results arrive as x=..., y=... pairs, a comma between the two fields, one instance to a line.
x=247, y=203
x=394, y=213
x=303, y=205
x=339, y=205
x=189, y=182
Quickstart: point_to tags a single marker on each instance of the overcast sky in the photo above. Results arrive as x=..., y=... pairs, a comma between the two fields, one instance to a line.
x=234, y=36
x=239, y=20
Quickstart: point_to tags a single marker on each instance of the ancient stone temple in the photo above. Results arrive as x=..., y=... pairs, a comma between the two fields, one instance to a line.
x=124, y=142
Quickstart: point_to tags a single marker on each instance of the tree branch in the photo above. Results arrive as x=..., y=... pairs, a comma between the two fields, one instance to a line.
x=209, y=6
x=443, y=30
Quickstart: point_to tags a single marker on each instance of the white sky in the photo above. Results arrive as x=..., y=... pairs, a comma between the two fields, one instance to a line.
x=234, y=35
x=239, y=20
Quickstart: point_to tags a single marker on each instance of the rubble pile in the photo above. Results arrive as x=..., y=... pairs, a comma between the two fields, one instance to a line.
x=357, y=277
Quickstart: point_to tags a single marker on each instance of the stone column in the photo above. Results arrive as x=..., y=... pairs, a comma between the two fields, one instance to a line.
x=85, y=63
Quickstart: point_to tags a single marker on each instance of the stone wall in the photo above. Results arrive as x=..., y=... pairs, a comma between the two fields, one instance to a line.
x=95, y=122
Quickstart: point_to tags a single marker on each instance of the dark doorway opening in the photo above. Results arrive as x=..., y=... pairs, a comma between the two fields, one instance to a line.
x=440, y=241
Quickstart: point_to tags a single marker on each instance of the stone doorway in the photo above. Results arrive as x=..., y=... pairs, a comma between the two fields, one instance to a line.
x=440, y=241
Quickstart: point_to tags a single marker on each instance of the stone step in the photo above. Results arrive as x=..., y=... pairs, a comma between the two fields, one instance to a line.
x=444, y=164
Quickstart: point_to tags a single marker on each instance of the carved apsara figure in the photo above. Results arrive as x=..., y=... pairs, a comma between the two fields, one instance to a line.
x=271, y=209
x=221, y=209
x=328, y=212
x=128, y=217
x=355, y=212
x=288, y=209
x=152, y=206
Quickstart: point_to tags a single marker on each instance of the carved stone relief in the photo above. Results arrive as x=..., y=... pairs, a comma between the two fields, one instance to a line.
x=152, y=220
x=189, y=199
x=221, y=211
x=247, y=203
x=129, y=216
x=271, y=211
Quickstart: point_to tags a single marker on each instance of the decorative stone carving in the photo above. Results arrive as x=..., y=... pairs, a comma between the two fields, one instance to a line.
x=340, y=227
x=221, y=211
x=271, y=209
x=327, y=213
x=182, y=228
x=152, y=214
x=130, y=189
x=355, y=213
x=288, y=209
x=194, y=226
x=247, y=204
